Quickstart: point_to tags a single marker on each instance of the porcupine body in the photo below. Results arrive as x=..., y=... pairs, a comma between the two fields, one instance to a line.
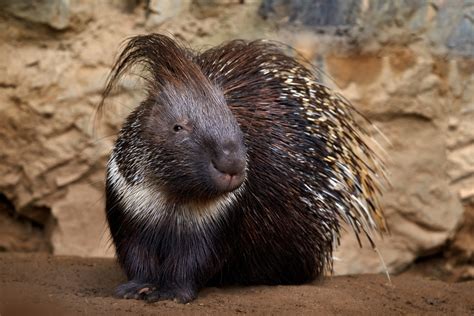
x=238, y=167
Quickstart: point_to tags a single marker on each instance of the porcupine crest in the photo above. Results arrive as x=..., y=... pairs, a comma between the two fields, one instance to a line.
x=294, y=127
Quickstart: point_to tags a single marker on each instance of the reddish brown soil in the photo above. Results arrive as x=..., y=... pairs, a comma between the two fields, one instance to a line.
x=42, y=284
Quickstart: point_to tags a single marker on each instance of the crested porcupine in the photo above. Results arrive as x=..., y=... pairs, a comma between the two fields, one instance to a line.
x=237, y=167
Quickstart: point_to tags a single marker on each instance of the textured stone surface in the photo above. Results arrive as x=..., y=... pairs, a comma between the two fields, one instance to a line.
x=455, y=26
x=54, y=13
x=448, y=24
x=162, y=10
x=316, y=13
x=20, y=233
x=362, y=70
x=421, y=208
x=77, y=214
x=417, y=89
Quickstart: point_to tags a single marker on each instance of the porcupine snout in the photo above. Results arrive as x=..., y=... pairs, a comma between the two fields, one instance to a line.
x=228, y=165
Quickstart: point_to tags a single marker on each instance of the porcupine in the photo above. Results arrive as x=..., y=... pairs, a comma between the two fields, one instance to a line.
x=238, y=167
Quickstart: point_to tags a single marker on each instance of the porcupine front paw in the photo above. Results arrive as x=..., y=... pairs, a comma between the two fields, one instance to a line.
x=182, y=295
x=134, y=290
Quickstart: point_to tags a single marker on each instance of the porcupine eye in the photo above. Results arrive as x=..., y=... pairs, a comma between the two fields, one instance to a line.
x=177, y=128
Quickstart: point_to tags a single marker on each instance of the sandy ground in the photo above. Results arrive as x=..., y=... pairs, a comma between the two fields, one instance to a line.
x=42, y=284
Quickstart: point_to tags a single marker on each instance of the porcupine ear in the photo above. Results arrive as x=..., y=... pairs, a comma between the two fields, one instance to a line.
x=162, y=59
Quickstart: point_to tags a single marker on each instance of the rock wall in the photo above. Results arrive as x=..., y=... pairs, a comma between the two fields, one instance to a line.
x=406, y=65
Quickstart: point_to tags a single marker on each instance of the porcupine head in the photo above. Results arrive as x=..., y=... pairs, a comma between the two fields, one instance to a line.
x=182, y=140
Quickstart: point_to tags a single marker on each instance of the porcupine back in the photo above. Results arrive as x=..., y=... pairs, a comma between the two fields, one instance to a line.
x=308, y=164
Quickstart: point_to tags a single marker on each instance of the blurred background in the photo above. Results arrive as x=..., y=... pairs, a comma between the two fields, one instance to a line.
x=408, y=65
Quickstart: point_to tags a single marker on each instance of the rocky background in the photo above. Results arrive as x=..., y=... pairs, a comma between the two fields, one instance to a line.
x=407, y=65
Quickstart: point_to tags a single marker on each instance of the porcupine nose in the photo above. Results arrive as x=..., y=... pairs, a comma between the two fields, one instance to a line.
x=228, y=167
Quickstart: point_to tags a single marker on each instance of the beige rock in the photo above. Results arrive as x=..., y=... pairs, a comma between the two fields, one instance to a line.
x=20, y=235
x=81, y=226
x=162, y=10
x=461, y=162
x=467, y=193
x=421, y=208
x=362, y=69
x=402, y=59
x=461, y=132
x=391, y=252
x=54, y=13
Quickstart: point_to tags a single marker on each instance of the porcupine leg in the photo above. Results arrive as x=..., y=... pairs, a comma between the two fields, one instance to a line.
x=133, y=257
x=169, y=266
x=160, y=276
x=185, y=269
x=165, y=267
x=155, y=276
x=183, y=292
x=173, y=286
x=140, y=266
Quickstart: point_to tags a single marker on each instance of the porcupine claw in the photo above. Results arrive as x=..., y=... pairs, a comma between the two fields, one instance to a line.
x=180, y=295
x=134, y=290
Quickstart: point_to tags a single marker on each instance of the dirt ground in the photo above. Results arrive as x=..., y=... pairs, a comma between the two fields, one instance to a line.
x=43, y=284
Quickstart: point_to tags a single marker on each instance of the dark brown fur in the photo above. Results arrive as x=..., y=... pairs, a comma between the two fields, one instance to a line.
x=306, y=163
